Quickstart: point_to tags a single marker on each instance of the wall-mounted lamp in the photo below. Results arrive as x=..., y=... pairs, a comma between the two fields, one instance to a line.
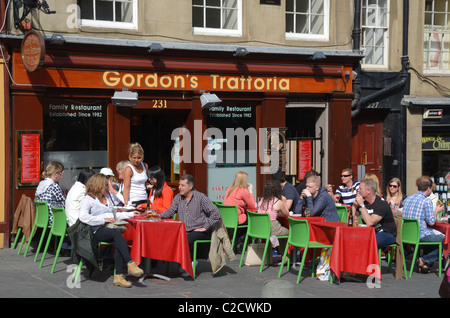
x=209, y=100
x=155, y=48
x=57, y=39
x=318, y=56
x=240, y=51
x=125, y=98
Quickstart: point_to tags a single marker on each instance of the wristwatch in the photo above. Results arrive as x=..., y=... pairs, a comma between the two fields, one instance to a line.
x=362, y=206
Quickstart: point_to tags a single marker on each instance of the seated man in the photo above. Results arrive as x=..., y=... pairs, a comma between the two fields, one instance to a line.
x=347, y=191
x=418, y=206
x=288, y=192
x=194, y=209
x=375, y=212
x=319, y=202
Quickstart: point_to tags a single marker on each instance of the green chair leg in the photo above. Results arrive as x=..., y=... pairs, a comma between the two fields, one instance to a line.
x=33, y=230
x=49, y=238
x=40, y=244
x=16, y=239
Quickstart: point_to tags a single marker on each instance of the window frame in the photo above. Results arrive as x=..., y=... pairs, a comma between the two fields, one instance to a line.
x=216, y=31
x=308, y=36
x=430, y=29
x=112, y=24
x=386, y=36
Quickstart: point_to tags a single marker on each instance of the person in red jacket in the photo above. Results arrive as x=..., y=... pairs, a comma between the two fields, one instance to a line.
x=161, y=195
x=240, y=194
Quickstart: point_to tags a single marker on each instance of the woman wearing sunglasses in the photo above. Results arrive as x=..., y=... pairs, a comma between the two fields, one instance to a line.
x=394, y=195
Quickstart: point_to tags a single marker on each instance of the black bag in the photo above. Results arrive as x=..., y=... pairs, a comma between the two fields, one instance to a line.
x=444, y=290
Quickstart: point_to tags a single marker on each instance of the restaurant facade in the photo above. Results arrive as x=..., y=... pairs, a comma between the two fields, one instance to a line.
x=63, y=110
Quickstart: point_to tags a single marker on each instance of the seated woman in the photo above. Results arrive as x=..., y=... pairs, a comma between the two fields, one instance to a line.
x=76, y=193
x=394, y=196
x=161, y=195
x=273, y=203
x=48, y=190
x=240, y=194
x=117, y=194
x=96, y=211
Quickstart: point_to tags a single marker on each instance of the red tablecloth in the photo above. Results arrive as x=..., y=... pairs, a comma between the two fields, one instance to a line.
x=165, y=240
x=354, y=248
x=444, y=228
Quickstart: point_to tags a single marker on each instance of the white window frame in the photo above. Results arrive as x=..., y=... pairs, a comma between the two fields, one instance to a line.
x=217, y=31
x=443, y=32
x=112, y=24
x=313, y=37
x=385, y=36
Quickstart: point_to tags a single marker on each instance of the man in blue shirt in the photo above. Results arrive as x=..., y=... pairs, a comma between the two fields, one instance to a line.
x=418, y=206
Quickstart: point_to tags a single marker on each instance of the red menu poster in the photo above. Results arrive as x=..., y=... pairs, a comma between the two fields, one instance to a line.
x=30, y=151
x=304, y=158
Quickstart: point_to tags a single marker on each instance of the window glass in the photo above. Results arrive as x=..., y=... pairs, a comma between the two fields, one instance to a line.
x=75, y=133
x=217, y=17
x=307, y=19
x=108, y=13
x=436, y=36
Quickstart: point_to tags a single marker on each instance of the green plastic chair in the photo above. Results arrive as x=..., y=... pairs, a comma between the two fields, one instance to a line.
x=410, y=234
x=389, y=255
x=259, y=227
x=216, y=202
x=40, y=221
x=194, y=253
x=80, y=264
x=58, y=228
x=230, y=217
x=16, y=239
x=299, y=237
x=342, y=213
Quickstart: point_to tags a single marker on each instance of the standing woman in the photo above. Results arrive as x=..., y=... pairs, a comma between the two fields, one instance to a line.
x=135, y=177
x=96, y=211
x=161, y=195
x=394, y=195
x=49, y=190
x=240, y=194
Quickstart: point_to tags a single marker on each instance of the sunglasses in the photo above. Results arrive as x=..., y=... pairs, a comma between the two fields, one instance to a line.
x=393, y=186
x=345, y=175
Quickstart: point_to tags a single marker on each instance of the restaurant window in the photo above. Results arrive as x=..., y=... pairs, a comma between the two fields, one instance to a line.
x=217, y=17
x=75, y=133
x=375, y=32
x=231, y=145
x=109, y=13
x=307, y=20
x=436, y=53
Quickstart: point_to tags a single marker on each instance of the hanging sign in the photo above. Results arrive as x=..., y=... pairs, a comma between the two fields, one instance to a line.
x=33, y=50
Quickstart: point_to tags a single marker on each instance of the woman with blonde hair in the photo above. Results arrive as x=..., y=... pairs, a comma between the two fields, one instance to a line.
x=374, y=177
x=49, y=190
x=96, y=211
x=394, y=194
x=240, y=194
x=135, y=177
x=117, y=194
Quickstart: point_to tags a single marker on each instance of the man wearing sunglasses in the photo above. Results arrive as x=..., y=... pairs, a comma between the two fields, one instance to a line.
x=346, y=192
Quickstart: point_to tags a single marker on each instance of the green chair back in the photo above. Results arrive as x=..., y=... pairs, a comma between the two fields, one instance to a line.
x=298, y=232
x=410, y=231
x=216, y=202
x=258, y=225
x=342, y=213
x=41, y=214
x=230, y=218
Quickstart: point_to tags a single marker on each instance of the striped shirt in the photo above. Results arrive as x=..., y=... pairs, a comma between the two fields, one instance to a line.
x=348, y=195
x=418, y=206
x=197, y=213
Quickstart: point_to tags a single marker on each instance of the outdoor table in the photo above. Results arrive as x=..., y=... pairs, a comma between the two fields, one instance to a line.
x=445, y=229
x=354, y=248
x=163, y=240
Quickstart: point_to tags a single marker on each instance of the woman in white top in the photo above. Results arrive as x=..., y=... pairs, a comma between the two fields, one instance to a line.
x=96, y=211
x=76, y=193
x=135, y=178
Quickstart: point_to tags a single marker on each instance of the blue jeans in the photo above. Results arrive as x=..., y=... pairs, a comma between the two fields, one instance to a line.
x=431, y=252
x=385, y=239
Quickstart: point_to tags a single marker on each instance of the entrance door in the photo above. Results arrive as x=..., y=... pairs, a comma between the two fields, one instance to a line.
x=367, y=149
x=153, y=130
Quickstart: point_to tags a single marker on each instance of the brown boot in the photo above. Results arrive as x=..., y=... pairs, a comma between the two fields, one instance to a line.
x=119, y=280
x=134, y=270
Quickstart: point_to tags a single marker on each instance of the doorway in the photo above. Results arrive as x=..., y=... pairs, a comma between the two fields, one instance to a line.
x=153, y=130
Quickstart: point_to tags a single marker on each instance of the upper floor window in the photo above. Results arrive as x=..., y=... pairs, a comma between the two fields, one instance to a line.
x=436, y=51
x=109, y=13
x=307, y=19
x=375, y=32
x=217, y=17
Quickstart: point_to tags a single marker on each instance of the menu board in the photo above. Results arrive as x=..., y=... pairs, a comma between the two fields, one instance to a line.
x=304, y=158
x=29, y=157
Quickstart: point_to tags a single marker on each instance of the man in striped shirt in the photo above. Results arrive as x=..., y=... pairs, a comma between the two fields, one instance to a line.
x=418, y=206
x=347, y=191
x=194, y=209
